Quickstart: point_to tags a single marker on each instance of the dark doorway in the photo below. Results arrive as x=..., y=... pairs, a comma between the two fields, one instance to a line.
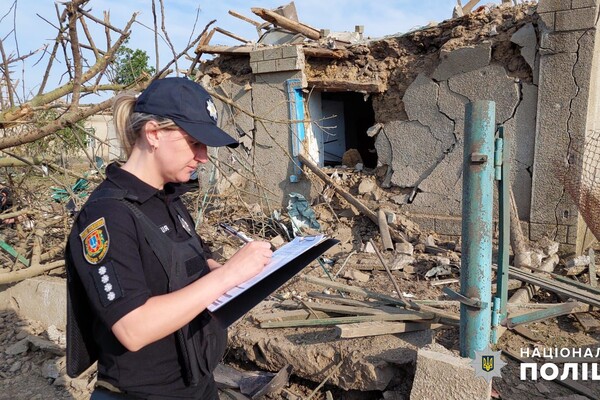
x=358, y=116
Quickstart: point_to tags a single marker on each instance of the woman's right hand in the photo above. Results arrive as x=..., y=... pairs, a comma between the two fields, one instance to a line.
x=249, y=261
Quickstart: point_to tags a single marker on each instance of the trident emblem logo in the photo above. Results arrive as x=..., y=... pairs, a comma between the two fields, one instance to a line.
x=487, y=363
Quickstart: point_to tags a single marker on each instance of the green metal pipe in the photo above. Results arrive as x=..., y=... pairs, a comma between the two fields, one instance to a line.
x=477, y=225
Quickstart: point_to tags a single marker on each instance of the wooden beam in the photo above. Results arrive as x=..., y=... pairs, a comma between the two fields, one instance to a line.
x=341, y=320
x=358, y=310
x=232, y=35
x=588, y=322
x=243, y=18
x=445, y=317
x=341, y=85
x=286, y=23
x=233, y=50
x=469, y=6
x=376, y=328
x=384, y=230
x=592, y=269
x=288, y=315
x=319, y=52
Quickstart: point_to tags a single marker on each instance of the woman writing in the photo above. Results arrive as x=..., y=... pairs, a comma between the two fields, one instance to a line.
x=139, y=277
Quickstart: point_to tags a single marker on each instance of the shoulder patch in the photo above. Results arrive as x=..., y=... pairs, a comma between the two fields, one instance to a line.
x=107, y=283
x=95, y=241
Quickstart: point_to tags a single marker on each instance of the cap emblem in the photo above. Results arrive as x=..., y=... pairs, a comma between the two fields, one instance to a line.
x=212, y=110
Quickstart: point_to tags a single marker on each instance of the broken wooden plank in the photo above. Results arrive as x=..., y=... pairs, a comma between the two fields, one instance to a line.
x=286, y=23
x=592, y=269
x=233, y=50
x=445, y=281
x=343, y=85
x=244, y=18
x=588, y=322
x=445, y=317
x=383, y=304
x=514, y=308
x=34, y=270
x=376, y=328
x=540, y=315
x=344, y=320
x=469, y=6
x=356, y=310
x=384, y=230
x=353, y=302
x=288, y=315
x=232, y=35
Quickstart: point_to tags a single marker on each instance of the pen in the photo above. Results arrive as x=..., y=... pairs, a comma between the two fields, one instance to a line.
x=235, y=232
x=240, y=235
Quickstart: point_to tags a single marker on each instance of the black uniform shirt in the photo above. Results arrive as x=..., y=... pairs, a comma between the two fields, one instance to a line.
x=120, y=272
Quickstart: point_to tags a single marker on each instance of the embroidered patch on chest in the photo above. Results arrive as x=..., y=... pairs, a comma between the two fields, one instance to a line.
x=95, y=241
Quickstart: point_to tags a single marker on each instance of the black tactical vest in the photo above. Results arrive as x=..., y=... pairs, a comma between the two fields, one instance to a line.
x=201, y=343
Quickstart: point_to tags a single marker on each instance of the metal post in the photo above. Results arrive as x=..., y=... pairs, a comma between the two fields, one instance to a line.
x=478, y=190
x=503, y=177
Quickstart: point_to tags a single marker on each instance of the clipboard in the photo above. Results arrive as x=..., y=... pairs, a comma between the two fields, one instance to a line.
x=234, y=304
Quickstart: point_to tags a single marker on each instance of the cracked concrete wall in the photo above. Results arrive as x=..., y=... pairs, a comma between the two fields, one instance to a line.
x=426, y=151
x=544, y=118
x=567, y=99
x=261, y=165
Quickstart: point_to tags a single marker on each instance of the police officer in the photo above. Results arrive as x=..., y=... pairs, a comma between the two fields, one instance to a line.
x=139, y=277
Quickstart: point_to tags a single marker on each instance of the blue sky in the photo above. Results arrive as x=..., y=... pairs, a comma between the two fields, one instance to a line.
x=379, y=18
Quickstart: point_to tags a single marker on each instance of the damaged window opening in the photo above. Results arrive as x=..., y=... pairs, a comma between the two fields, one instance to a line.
x=340, y=123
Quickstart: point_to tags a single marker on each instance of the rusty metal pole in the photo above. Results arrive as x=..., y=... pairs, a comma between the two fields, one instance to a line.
x=478, y=191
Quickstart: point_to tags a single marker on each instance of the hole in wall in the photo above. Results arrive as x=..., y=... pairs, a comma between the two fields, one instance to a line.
x=340, y=122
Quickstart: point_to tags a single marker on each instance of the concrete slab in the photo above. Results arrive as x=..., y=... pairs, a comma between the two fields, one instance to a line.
x=489, y=83
x=445, y=376
x=421, y=104
x=526, y=37
x=462, y=60
x=416, y=151
x=441, y=192
x=43, y=299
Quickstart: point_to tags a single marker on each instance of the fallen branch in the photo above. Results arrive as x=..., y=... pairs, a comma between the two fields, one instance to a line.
x=22, y=274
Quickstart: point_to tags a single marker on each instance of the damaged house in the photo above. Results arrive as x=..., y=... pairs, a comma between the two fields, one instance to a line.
x=399, y=102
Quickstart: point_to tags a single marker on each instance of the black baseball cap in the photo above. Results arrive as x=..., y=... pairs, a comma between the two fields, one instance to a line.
x=188, y=105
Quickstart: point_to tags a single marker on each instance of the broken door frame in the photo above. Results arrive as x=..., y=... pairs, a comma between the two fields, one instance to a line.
x=295, y=99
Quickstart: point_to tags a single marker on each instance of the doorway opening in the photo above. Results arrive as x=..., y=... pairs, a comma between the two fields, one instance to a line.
x=339, y=122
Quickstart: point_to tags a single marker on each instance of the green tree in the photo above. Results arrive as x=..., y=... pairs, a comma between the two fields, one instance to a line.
x=129, y=65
